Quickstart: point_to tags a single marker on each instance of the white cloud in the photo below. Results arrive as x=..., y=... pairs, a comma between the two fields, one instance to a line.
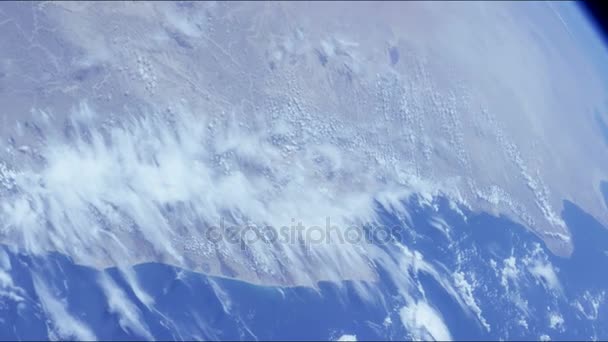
x=510, y=278
x=589, y=304
x=509, y=273
x=8, y=290
x=424, y=323
x=347, y=337
x=66, y=327
x=5, y=261
x=465, y=289
x=545, y=272
x=103, y=197
x=131, y=277
x=129, y=316
x=440, y=224
x=540, y=267
x=556, y=321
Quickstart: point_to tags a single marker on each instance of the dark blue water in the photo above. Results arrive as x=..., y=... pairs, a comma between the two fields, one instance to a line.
x=189, y=305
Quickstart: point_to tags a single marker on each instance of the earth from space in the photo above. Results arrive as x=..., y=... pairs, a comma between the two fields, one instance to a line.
x=303, y=171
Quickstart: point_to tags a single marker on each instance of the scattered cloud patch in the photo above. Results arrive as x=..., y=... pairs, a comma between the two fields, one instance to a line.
x=63, y=326
x=466, y=289
x=556, y=321
x=539, y=266
x=424, y=323
x=129, y=316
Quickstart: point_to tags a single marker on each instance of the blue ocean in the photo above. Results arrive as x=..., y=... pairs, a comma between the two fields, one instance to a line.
x=491, y=253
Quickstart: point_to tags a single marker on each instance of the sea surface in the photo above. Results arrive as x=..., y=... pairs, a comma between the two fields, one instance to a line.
x=512, y=287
